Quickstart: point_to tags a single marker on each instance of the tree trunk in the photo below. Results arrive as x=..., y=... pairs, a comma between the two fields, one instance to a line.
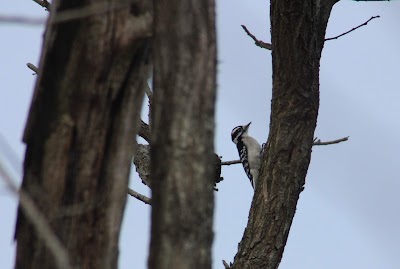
x=182, y=134
x=81, y=129
x=298, y=32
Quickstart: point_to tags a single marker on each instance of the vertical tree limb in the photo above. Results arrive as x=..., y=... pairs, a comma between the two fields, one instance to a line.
x=182, y=153
x=298, y=30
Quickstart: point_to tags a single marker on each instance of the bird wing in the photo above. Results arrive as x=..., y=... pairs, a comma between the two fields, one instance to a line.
x=242, y=154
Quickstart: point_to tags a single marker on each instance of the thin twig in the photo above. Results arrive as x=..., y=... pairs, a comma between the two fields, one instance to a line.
x=258, y=42
x=318, y=142
x=22, y=20
x=226, y=265
x=33, y=68
x=355, y=28
x=139, y=196
x=230, y=162
x=39, y=222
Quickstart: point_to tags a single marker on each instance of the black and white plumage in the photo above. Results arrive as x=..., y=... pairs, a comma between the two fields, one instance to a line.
x=249, y=152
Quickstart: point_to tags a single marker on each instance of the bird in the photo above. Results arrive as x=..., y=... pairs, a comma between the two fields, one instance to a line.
x=249, y=152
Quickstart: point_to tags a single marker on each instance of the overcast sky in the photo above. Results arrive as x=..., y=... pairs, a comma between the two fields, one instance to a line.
x=348, y=214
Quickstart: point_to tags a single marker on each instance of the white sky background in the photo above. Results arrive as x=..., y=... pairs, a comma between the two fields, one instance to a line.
x=348, y=214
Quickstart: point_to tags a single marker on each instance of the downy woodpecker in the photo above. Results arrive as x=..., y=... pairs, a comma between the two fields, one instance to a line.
x=249, y=152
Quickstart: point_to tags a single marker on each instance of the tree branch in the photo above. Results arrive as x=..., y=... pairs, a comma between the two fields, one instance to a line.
x=230, y=162
x=33, y=68
x=139, y=196
x=355, y=28
x=43, y=3
x=21, y=20
x=258, y=42
x=318, y=142
x=268, y=46
x=144, y=131
x=226, y=265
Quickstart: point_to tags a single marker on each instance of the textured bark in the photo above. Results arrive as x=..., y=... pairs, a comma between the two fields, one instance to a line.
x=80, y=132
x=298, y=31
x=182, y=134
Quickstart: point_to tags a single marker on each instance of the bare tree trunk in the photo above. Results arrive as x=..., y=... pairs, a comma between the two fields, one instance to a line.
x=81, y=129
x=298, y=32
x=183, y=134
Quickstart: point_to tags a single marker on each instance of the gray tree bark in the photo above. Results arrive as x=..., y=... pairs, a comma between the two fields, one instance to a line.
x=81, y=130
x=182, y=151
x=298, y=32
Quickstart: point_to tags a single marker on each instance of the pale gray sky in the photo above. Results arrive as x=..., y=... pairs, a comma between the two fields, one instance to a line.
x=348, y=214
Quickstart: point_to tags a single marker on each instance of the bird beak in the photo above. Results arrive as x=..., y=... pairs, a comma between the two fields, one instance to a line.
x=246, y=127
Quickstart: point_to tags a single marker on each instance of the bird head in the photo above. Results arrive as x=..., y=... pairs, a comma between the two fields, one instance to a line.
x=238, y=131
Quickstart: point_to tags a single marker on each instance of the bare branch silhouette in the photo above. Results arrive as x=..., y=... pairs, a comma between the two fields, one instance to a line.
x=355, y=28
x=258, y=42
